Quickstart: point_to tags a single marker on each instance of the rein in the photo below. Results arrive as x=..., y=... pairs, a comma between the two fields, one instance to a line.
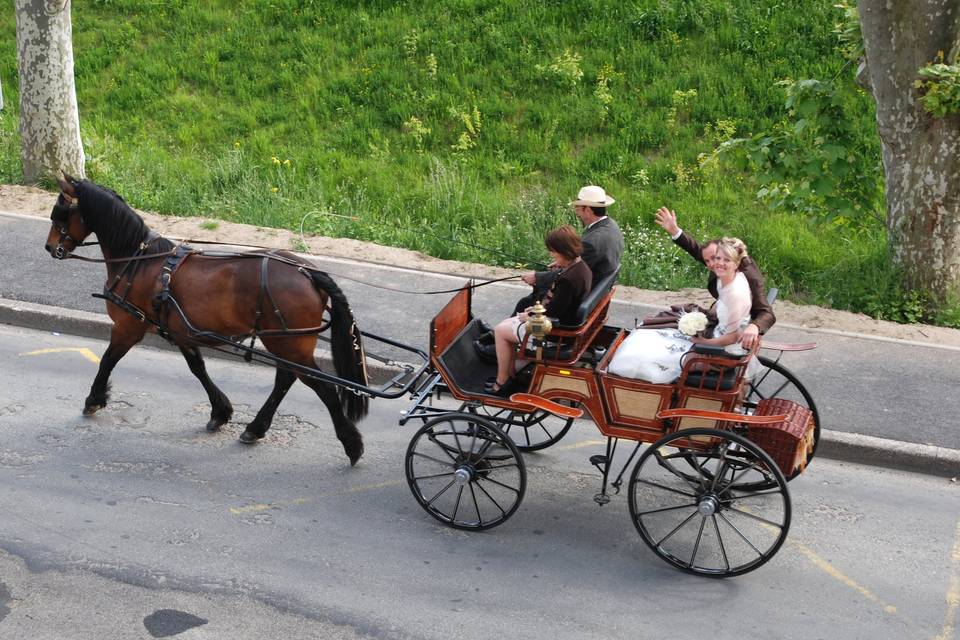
x=262, y=253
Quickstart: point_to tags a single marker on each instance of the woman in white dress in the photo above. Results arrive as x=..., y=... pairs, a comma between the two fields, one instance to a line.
x=655, y=354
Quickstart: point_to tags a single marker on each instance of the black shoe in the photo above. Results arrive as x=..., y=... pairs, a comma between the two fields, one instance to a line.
x=484, y=326
x=486, y=352
x=486, y=338
x=501, y=390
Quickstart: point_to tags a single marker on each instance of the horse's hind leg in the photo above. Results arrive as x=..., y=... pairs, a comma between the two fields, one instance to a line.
x=347, y=432
x=258, y=428
x=121, y=340
x=220, y=407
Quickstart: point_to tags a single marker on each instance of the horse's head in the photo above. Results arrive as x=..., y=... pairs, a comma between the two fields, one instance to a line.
x=67, y=227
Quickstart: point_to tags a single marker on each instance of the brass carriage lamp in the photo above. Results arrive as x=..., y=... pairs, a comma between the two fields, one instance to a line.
x=538, y=325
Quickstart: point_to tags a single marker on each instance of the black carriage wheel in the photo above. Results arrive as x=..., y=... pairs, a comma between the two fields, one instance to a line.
x=465, y=472
x=712, y=522
x=776, y=381
x=531, y=430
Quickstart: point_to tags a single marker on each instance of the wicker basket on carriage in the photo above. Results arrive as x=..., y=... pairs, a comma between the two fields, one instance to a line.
x=788, y=443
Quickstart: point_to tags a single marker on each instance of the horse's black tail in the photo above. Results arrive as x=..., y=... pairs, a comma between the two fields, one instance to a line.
x=346, y=346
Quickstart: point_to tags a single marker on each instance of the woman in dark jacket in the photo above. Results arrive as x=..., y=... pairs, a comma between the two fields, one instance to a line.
x=561, y=301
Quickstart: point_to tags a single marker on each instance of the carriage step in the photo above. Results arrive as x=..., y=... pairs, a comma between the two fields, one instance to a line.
x=547, y=405
x=598, y=459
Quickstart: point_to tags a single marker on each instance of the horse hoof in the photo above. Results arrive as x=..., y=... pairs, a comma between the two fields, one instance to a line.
x=355, y=457
x=248, y=437
x=91, y=409
x=214, y=425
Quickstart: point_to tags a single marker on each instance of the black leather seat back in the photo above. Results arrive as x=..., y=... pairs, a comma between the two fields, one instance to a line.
x=597, y=293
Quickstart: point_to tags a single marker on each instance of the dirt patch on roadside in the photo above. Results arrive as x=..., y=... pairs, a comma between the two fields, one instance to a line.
x=36, y=202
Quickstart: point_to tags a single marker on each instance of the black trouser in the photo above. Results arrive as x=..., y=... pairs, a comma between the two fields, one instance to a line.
x=523, y=303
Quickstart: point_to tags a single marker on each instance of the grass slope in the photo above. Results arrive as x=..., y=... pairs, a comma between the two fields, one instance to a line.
x=475, y=120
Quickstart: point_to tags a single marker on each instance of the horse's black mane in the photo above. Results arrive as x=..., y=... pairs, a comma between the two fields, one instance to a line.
x=118, y=227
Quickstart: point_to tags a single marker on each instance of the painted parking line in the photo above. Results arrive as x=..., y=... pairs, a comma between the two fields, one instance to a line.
x=253, y=508
x=953, y=591
x=86, y=353
x=836, y=574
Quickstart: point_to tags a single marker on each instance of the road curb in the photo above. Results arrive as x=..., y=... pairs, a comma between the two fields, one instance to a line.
x=97, y=326
x=837, y=445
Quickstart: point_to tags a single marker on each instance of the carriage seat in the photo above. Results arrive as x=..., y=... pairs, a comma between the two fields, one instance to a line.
x=566, y=343
x=711, y=367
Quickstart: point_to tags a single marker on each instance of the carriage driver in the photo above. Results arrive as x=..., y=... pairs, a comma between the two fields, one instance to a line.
x=602, y=243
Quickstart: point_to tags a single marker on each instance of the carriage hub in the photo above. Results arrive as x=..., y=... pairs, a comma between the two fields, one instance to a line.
x=462, y=475
x=708, y=505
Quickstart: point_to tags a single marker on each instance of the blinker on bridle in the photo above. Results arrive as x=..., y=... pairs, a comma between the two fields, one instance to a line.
x=61, y=216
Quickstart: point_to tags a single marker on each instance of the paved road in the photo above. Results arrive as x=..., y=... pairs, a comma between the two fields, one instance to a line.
x=863, y=386
x=137, y=523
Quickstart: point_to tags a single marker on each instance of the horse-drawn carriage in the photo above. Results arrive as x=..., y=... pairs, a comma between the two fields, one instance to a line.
x=708, y=494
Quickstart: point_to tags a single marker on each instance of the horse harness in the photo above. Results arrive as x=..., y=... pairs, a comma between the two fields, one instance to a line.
x=164, y=300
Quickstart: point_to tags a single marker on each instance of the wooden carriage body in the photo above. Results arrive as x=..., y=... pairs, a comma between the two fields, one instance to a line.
x=574, y=367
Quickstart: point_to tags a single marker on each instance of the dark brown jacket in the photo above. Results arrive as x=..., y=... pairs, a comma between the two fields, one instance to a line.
x=568, y=292
x=761, y=313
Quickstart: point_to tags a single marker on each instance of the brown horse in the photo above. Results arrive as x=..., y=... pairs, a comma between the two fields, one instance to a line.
x=153, y=286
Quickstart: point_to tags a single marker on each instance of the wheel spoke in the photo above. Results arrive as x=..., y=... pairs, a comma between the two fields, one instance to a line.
x=666, y=463
x=740, y=533
x=476, y=505
x=456, y=506
x=499, y=484
x=721, y=466
x=735, y=476
x=692, y=505
x=756, y=517
x=491, y=499
x=696, y=546
x=747, y=496
x=723, y=549
x=434, y=475
x=440, y=493
x=666, y=488
x=677, y=528
x=432, y=459
x=692, y=458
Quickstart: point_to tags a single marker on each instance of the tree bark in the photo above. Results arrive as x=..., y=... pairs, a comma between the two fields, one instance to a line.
x=49, y=118
x=921, y=154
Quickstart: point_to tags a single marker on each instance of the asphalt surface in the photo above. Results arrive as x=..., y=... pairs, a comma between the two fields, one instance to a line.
x=882, y=402
x=136, y=523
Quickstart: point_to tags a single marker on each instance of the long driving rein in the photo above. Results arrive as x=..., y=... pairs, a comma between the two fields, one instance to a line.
x=184, y=250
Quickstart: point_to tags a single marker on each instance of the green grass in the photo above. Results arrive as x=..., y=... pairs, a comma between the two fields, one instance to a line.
x=468, y=119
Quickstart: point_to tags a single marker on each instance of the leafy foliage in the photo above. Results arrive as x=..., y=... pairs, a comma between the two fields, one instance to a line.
x=939, y=86
x=810, y=163
x=469, y=120
x=847, y=31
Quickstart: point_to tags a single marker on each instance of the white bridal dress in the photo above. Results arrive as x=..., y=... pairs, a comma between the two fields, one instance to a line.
x=655, y=355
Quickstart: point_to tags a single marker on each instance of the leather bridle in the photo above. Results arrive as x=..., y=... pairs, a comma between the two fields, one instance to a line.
x=61, y=217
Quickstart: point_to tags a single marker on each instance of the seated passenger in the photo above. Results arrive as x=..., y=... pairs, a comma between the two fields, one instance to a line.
x=761, y=313
x=561, y=301
x=602, y=243
x=656, y=355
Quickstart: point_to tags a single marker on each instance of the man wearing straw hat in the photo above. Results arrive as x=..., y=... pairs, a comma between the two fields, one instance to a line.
x=602, y=242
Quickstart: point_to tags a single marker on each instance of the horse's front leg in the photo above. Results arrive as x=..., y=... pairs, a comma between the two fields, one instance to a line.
x=258, y=428
x=220, y=408
x=122, y=338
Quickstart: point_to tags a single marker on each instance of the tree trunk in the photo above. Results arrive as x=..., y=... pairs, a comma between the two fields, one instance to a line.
x=921, y=154
x=49, y=119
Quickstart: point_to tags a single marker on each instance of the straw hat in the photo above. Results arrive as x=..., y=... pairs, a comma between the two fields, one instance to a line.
x=592, y=196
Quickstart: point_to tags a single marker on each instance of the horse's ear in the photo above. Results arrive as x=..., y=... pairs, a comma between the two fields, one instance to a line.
x=66, y=185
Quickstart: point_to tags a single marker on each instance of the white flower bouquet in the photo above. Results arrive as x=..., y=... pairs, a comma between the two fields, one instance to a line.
x=691, y=324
